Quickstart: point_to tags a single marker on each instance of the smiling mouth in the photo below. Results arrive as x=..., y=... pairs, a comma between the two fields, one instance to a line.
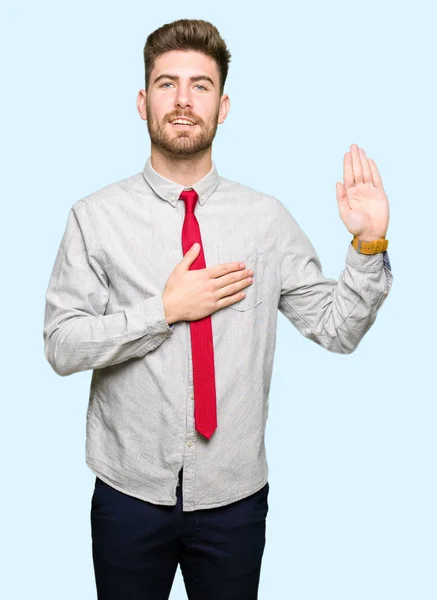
x=182, y=125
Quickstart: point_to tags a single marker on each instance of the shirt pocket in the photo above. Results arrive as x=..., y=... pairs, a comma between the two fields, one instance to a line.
x=255, y=291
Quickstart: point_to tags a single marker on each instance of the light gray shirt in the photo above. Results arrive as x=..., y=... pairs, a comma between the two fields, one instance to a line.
x=104, y=311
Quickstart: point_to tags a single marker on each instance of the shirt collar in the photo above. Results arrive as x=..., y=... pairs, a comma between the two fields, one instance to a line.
x=170, y=190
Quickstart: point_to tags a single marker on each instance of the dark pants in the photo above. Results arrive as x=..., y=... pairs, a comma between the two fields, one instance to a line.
x=138, y=545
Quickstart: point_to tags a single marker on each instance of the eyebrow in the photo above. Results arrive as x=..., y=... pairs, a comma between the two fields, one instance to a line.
x=176, y=78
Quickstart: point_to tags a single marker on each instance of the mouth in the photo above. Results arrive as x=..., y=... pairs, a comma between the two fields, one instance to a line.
x=182, y=125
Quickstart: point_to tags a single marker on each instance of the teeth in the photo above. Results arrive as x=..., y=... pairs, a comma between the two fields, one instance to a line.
x=181, y=122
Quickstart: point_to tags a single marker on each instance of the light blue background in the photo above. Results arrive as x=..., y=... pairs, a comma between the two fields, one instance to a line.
x=351, y=440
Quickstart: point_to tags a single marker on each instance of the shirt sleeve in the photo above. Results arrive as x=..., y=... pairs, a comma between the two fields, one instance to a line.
x=386, y=260
x=334, y=314
x=78, y=335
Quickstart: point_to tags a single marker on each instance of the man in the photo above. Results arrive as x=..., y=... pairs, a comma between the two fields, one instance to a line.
x=182, y=349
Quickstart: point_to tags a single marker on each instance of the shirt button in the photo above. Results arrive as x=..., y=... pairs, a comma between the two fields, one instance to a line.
x=191, y=395
x=385, y=292
x=189, y=443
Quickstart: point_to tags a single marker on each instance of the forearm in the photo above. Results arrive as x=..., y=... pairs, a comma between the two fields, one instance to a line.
x=336, y=315
x=369, y=283
x=74, y=343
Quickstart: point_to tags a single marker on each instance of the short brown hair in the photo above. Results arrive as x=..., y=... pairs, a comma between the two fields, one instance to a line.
x=187, y=34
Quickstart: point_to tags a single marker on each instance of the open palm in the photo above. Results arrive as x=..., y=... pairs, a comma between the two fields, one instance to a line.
x=362, y=201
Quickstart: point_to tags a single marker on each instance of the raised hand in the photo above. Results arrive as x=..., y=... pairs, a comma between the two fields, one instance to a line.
x=362, y=201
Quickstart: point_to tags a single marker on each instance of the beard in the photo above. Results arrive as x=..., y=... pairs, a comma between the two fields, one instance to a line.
x=183, y=142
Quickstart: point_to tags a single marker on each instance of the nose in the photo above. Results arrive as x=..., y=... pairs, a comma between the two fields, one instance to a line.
x=183, y=97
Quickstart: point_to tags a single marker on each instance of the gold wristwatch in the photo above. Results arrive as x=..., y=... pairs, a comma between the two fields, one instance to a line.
x=370, y=247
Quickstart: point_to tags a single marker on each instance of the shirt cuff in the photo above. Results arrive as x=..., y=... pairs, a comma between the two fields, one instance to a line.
x=154, y=313
x=366, y=263
x=386, y=260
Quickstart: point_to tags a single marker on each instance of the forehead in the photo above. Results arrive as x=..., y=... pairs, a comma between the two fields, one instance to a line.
x=185, y=63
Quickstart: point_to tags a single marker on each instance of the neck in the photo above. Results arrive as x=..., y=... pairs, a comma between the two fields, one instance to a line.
x=183, y=169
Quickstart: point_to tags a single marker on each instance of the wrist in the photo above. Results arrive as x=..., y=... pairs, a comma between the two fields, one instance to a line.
x=169, y=312
x=369, y=238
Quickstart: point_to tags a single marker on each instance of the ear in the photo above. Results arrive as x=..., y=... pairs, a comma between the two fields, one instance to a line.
x=225, y=105
x=141, y=104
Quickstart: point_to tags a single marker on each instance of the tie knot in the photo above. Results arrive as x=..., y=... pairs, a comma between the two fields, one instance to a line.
x=190, y=198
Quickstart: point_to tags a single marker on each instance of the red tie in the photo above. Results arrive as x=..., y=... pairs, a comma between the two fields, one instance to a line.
x=202, y=347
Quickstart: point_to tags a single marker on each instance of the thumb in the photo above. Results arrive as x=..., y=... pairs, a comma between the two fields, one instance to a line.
x=342, y=200
x=191, y=255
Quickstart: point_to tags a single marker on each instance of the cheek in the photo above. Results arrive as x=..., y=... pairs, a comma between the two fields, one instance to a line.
x=208, y=112
x=161, y=108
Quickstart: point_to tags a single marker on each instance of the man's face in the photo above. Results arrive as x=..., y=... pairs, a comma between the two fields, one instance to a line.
x=183, y=84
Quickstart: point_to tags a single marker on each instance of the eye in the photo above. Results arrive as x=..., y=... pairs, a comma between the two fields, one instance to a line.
x=170, y=83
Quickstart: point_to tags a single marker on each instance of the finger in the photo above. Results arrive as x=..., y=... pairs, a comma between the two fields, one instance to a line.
x=348, y=174
x=191, y=254
x=377, y=182
x=356, y=164
x=367, y=173
x=225, y=268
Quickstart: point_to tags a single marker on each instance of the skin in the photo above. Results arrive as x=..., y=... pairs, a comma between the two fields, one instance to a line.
x=184, y=156
x=362, y=201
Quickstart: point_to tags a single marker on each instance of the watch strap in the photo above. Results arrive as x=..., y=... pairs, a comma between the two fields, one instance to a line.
x=370, y=247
